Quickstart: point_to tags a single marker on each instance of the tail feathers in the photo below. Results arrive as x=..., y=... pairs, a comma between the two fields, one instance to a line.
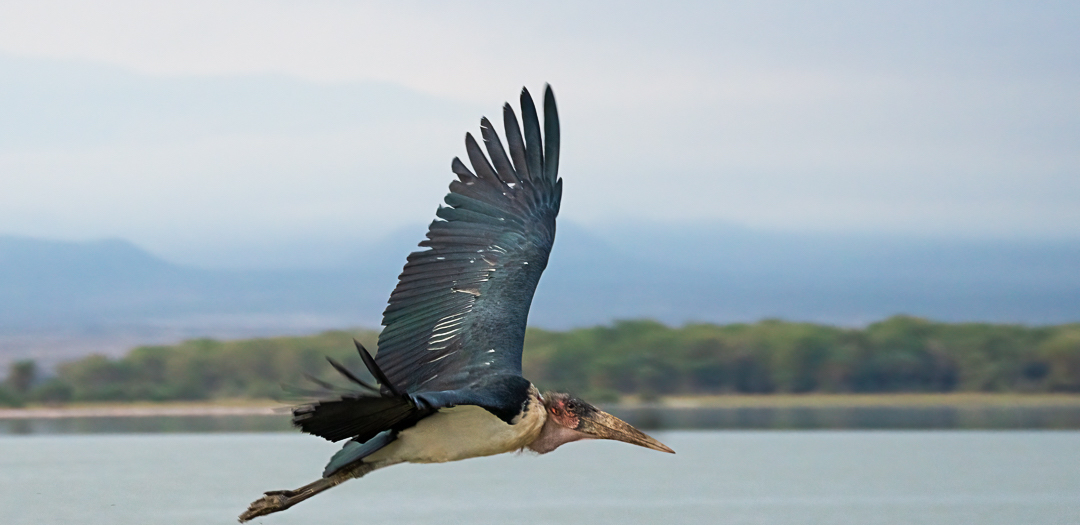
x=354, y=451
x=356, y=416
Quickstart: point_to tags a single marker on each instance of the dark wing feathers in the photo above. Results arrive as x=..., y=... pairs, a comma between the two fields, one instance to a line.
x=461, y=170
x=459, y=310
x=515, y=142
x=495, y=150
x=534, y=155
x=388, y=388
x=345, y=372
x=551, y=135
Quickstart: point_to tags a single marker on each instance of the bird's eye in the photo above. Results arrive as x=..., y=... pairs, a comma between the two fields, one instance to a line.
x=571, y=405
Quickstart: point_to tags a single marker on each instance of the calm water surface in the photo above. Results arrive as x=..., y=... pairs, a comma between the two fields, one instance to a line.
x=649, y=418
x=723, y=477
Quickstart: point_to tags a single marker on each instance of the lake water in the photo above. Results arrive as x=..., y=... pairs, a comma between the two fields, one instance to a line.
x=717, y=477
x=1062, y=417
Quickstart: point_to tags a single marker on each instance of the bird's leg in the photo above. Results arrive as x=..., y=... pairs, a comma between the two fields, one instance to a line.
x=278, y=500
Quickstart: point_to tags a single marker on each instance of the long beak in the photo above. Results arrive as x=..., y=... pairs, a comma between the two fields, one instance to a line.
x=601, y=425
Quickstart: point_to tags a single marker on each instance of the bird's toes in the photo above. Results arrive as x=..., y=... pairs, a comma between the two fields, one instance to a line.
x=267, y=504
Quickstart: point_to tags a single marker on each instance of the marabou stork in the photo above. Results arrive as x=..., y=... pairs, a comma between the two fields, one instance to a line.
x=449, y=357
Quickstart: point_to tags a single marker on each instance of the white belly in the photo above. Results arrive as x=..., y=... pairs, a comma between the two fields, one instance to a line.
x=463, y=432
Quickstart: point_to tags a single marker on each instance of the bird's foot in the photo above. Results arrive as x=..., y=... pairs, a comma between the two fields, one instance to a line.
x=272, y=501
x=279, y=500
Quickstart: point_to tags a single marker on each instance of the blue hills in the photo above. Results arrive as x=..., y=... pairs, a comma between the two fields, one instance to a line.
x=60, y=299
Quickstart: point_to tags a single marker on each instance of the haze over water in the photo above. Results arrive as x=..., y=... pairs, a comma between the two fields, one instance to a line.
x=736, y=477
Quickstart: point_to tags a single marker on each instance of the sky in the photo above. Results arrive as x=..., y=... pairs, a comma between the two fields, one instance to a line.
x=229, y=132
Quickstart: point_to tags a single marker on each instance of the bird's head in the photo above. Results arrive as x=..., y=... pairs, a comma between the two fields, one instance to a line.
x=571, y=419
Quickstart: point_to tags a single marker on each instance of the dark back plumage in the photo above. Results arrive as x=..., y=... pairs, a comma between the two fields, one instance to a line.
x=459, y=311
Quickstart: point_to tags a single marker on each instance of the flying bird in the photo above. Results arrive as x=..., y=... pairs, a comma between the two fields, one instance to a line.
x=448, y=364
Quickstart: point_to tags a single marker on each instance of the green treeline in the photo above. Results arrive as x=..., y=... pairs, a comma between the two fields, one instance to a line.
x=195, y=370
x=900, y=354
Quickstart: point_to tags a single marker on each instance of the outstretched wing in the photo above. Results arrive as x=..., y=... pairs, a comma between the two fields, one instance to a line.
x=458, y=313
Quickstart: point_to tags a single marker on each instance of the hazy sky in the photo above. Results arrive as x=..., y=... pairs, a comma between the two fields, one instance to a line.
x=204, y=129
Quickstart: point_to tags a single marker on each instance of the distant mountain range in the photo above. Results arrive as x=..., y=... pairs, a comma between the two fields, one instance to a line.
x=60, y=299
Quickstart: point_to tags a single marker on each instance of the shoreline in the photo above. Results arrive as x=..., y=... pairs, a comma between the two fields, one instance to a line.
x=245, y=407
